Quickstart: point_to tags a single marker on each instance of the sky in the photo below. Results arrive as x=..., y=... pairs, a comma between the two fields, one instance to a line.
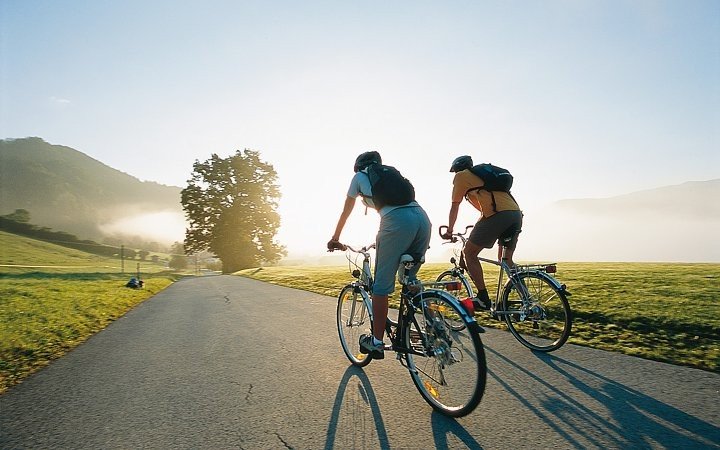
x=579, y=99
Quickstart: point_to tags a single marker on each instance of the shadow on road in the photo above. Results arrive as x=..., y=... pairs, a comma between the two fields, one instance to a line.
x=354, y=410
x=641, y=418
x=444, y=426
x=352, y=426
x=601, y=411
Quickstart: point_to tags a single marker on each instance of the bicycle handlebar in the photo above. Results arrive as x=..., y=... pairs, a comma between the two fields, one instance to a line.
x=336, y=245
x=453, y=236
x=345, y=247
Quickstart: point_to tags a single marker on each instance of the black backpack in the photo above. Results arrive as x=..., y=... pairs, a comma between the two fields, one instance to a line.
x=389, y=187
x=494, y=178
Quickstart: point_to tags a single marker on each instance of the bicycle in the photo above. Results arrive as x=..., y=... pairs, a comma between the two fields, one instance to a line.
x=531, y=301
x=447, y=366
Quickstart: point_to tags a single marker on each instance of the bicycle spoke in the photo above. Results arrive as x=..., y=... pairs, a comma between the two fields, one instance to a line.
x=538, y=313
x=451, y=372
x=353, y=319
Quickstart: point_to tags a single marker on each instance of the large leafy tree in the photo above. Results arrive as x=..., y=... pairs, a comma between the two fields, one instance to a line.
x=230, y=204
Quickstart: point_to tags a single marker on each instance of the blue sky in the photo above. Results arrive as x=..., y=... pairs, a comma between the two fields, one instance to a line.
x=577, y=98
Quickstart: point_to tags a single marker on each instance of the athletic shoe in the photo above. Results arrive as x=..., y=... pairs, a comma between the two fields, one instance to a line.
x=368, y=346
x=481, y=304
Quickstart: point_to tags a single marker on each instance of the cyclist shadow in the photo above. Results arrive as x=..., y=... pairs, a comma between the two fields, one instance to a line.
x=629, y=419
x=444, y=427
x=349, y=420
x=351, y=425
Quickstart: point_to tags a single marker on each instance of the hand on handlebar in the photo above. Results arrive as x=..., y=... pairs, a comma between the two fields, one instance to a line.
x=334, y=244
x=447, y=234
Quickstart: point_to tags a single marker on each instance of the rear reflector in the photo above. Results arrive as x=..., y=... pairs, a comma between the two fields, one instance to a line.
x=453, y=286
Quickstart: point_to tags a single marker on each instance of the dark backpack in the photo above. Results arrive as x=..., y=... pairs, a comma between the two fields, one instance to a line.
x=494, y=178
x=389, y=187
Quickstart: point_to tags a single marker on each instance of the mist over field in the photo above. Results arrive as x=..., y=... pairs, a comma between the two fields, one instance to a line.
x=165, y=227
x=672, y=223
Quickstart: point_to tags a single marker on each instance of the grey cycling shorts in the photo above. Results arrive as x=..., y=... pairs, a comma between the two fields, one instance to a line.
x=487, y=231
x=402, y=231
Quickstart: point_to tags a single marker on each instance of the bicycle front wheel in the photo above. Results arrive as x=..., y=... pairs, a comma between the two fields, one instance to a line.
x=460, y=289
x=353, y=320
x=447, y=366
x=543, y=321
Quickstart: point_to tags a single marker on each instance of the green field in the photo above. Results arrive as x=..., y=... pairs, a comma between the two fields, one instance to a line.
x=53, y=298
x=661, y=311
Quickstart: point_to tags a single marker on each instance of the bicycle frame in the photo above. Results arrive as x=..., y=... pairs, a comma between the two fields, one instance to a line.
x=363, y=276
x=410, y=302
x=446, y=364
x=541, y=270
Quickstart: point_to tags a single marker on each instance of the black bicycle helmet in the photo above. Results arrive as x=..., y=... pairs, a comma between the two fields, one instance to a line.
x=461, y=163
x=367, y=158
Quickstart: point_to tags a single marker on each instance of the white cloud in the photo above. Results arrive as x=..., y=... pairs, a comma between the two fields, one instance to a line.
x=60, y=100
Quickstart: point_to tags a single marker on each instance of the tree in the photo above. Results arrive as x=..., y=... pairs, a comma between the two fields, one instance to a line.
x=178, y=261
x=19, y=216
x=230, y=204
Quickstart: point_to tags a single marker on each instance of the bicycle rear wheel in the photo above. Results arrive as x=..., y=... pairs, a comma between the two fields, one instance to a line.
x=545, y=321
x=461, y=290
x=353, y=320
x=447, y=366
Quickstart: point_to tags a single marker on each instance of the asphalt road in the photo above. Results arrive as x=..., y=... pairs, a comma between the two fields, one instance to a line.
x=225, y=362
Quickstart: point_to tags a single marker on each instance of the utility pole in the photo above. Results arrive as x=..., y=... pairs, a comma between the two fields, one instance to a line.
x=122, y=258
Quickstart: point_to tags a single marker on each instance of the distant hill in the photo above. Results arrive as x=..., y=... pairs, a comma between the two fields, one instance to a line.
x=699, y=199
x=67, y=190
x=670, y=223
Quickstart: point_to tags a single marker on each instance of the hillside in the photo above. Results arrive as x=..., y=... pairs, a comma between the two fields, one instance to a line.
x=649, y=225
x=67, y=190
x=20, y=250
x=692, y=199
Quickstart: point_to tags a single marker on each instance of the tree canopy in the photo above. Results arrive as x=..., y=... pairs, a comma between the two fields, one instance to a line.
x=230, y=204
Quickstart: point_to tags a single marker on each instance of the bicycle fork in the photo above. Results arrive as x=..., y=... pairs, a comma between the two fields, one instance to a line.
x=357, y=318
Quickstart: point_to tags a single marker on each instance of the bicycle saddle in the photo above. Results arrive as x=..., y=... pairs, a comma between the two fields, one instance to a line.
x=508, y=235
x=410, y=259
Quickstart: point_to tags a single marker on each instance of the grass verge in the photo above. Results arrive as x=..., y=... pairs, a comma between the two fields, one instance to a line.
x=43, y=316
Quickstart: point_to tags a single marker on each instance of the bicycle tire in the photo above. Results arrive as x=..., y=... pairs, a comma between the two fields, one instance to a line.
x=447, y=366
x=546, y=326
x=464, y=292
x=352, y=323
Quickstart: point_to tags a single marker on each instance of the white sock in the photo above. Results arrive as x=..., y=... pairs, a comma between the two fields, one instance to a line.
x=377, y=342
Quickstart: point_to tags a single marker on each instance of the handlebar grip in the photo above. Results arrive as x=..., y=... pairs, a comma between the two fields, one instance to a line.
x=336, y=245
x=451, y=239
